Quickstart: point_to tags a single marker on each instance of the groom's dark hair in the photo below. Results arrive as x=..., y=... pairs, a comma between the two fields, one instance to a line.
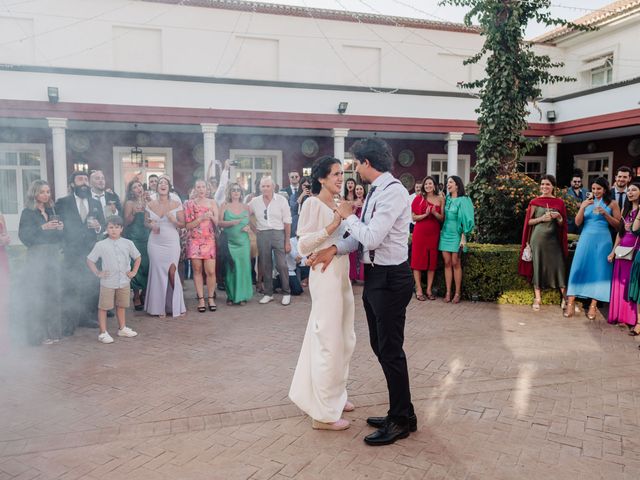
x=375, y=150
x=321, y=169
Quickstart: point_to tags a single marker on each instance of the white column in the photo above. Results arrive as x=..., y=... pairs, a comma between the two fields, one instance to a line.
x=552, y=154
x=339, y=135
x=452, y=152
x=209, y=133
x=59, y=140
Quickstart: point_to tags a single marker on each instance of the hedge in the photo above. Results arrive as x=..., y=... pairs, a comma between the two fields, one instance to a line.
x=490, y=274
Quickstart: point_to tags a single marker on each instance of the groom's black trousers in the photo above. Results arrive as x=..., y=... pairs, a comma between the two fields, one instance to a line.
x=387, y=292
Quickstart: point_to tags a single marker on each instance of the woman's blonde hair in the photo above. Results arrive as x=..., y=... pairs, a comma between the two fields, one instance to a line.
x=34, y=191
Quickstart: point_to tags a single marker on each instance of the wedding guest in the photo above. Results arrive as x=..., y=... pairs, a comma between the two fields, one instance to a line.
x=622, y=309
x=457, y=226
x=590, y=275
x=356, y=267
x=273, y=231
x=426, y=212
x=577, y=191
x=619, y=191
x=305, y=193
x=40, y=230
x=136, y=231
x=292, y=191
x=83, y=220
x=115, y=254
x=416, y=193
x=164, y=217
x=201, y=217
x=4, y=286
x=350, y=189
x=235, y=221
x=108, y=199
x=545, y=231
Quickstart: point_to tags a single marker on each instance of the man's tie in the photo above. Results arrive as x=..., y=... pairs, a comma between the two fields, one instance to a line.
x=82, y=210
x=621, y=199
x=364, y=211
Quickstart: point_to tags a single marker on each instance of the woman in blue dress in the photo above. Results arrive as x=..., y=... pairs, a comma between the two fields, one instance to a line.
x=590, y=275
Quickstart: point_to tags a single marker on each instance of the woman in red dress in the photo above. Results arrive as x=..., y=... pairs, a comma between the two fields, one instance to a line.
x=426, y=211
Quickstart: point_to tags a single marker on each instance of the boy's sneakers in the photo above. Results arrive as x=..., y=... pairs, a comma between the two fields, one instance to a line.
x=265, y=299
x=286, y=299
x=105, y=338
x=127, y=332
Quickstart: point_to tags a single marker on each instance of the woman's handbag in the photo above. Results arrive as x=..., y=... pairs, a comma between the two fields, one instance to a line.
x=527, y=255
x=625, y=253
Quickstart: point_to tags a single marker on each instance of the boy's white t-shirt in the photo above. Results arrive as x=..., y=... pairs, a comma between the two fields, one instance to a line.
x=116, y=256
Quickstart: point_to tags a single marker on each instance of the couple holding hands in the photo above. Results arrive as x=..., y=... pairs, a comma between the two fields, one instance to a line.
x=327, y=234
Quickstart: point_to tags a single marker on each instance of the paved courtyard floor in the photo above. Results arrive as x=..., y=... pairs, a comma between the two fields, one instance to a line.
x=500, y=393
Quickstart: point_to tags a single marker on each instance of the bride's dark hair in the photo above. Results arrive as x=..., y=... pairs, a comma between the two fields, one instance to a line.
x=321, y=169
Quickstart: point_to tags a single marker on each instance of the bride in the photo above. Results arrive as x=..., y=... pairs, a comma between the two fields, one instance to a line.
x=319, y=385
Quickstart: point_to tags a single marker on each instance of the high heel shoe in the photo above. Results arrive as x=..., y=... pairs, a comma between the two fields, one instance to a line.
x=214, y=307
x=456, y=298
x=592, y=312
x=447, y=298
x=341, y=424
x=569, y=310
x=201, y=309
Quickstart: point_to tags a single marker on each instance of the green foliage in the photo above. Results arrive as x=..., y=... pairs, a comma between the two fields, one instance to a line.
x=501, y=206
x=514, y=76
x=490, y=274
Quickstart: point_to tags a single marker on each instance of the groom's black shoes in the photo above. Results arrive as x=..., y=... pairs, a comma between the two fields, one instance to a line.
x=388, y=434
x=379, y=422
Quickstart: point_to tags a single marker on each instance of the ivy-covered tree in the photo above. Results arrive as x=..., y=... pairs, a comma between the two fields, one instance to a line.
x=515, y=74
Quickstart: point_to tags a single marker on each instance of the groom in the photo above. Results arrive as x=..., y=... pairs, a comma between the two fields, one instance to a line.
x=380, y=236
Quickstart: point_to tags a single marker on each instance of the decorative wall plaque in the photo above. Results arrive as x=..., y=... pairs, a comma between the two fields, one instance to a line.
x=406, y=158
x=309, y=148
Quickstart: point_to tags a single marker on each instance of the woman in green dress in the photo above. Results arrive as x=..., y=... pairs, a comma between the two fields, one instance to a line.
x=235, y=221
x=545, y=230
x=457, y=226
x=136, y=231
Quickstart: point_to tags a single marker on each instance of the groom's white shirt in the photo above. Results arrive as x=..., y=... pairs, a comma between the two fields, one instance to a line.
x=385, y=226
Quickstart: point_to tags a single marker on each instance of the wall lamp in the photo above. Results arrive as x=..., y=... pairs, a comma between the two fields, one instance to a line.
x=551, y=115
x=52, y=92
x=342, y=107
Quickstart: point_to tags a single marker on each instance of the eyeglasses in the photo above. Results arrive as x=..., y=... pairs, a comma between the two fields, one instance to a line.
x=266, y=217
x=236, y=190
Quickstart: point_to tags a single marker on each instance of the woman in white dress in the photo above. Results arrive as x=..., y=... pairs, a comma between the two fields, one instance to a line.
x=164, y=290
x=319, y=385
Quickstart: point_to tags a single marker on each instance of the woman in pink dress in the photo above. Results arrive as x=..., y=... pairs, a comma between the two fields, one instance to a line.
x=201, y=216
x=623, y=310
x=4, y=287
x=356, y=268
x=426, y=211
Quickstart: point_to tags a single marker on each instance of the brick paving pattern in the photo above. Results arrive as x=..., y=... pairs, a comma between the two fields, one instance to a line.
x=500, y=393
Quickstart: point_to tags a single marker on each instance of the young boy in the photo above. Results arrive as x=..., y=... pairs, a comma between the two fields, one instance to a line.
x=116, y=254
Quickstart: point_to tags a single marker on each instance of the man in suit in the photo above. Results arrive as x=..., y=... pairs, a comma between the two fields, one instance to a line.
x=622, y=181
x=380, y=236
x=108, y=199
x=577, y=191
x=83, y=219
x=292, y=191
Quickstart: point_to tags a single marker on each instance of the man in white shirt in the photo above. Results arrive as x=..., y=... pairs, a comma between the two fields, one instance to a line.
x=380, y=235
x=273, y=231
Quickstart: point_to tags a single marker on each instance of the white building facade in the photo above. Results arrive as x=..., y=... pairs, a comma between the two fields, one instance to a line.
x=86, y=81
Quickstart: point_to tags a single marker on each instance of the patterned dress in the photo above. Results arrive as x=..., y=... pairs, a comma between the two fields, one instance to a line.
x=201, y=240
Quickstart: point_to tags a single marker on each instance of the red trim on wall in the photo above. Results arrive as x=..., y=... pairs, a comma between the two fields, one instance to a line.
x=195, y=116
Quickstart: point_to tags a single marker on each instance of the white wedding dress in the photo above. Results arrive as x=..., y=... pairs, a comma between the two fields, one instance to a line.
x=319, y=385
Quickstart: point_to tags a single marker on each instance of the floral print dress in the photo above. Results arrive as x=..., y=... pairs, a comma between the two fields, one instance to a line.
x=201, y=240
